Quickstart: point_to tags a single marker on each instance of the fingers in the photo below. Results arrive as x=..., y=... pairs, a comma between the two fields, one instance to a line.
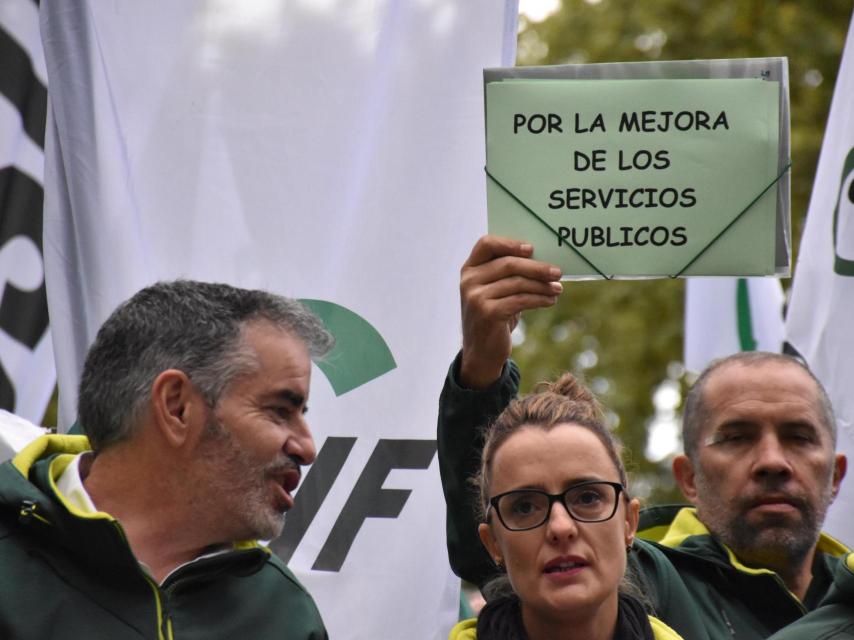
x=498, y=281
x=509, y=287
x=500, y=257
x=506, y=267
x=489, y=247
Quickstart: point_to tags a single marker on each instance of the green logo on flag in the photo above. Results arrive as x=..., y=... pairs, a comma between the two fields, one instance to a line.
x=745, y=320
x=843, y=266
x=360, y=354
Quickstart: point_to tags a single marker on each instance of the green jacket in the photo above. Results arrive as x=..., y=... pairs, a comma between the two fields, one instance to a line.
x=66, y=574
x=693, y=582
x=467, y=630
x=834, y=619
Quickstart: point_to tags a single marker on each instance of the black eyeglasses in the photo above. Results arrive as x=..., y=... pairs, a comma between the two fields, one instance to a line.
x=523, y=509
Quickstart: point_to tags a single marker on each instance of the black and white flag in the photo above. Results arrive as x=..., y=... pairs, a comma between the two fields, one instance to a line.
x=27, y=374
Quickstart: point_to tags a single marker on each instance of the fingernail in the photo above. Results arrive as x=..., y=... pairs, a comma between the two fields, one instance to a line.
x=554, y=273
x=526, y=247
x=557, y=287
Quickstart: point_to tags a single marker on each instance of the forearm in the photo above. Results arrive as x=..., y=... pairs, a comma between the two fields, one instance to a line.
x=463, y=416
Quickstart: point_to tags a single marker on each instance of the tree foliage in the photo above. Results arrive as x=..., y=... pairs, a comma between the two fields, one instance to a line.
x=625, y=338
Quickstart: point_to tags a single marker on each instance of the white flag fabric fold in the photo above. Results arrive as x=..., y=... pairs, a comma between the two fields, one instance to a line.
x=819, y=319
x=727, y=315
x=331, y=152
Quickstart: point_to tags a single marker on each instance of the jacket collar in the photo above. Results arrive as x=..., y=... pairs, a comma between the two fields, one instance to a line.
x=842, y=591
x=685, y=531
x=46, y=446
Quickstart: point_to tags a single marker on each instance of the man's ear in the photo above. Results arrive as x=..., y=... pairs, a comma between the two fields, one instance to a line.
x=488, y=540
x=840, y=466
x=177, y=407
x=683, y=472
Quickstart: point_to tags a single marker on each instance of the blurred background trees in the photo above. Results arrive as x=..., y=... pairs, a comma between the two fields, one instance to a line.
x=625, y=338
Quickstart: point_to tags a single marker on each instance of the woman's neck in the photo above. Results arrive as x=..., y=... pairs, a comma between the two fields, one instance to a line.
x=597, y=623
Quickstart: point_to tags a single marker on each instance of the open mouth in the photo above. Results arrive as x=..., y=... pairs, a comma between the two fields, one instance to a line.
x=290, y=481
x=564, y=565
x=286, y=483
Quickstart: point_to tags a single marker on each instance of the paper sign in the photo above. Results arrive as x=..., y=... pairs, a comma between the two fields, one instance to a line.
x=652, y=177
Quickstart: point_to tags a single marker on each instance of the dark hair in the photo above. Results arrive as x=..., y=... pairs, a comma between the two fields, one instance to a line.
x=563, y=401
x=195, y=327
x=696, y=414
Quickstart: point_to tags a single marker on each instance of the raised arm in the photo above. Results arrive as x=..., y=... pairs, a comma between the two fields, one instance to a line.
x=498, y=281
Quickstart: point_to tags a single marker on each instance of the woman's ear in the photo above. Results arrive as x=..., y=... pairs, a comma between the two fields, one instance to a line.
x=488, y=540
x=632, y=518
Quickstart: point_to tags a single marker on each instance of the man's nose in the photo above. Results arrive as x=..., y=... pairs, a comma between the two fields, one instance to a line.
x=771, y=457
x=300, y=443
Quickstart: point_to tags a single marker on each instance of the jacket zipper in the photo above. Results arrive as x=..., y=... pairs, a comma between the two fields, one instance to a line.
x=28, y=512
x=164, y=620
x=713, y=595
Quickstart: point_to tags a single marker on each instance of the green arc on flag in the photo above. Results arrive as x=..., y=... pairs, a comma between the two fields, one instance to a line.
x=360, y=353
x=843, y=266
x=744, y=318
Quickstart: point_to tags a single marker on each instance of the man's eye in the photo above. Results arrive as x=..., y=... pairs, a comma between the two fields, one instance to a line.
x=801, y=438
x=729, y=438
x=281, y=412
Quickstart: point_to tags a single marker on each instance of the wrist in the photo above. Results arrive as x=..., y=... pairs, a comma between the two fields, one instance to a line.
x=479, y=373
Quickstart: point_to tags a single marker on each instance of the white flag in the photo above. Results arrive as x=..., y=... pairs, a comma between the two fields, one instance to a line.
x=819, y=321
x=727, y=315
x=27, y=375
x=326, y=151
x=15, y=434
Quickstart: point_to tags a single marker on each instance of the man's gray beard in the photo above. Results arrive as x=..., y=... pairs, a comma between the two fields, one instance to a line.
x=776, y=543
x=223, y=451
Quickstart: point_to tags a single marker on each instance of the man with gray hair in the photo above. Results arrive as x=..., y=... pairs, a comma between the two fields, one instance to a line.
x=193, y=399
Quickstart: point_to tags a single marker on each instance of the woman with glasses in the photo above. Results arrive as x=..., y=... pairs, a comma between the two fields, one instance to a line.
x=558, y=520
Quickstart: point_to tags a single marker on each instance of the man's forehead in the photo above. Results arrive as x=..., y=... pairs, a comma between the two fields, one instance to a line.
x=770, y=386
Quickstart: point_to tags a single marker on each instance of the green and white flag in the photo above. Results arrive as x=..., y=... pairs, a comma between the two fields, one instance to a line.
x=329, y=151
x=727, y=315
x=819, y=321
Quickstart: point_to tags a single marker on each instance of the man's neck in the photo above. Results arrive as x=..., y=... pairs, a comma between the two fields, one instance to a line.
x=796, y=575
x=160, y=528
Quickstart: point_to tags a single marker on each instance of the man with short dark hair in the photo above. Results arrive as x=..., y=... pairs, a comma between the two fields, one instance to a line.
x=760, y=463
x=193, y=399
x=760, y=469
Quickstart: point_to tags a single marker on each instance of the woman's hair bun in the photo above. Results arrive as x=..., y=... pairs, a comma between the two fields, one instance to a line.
x=569, y=386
